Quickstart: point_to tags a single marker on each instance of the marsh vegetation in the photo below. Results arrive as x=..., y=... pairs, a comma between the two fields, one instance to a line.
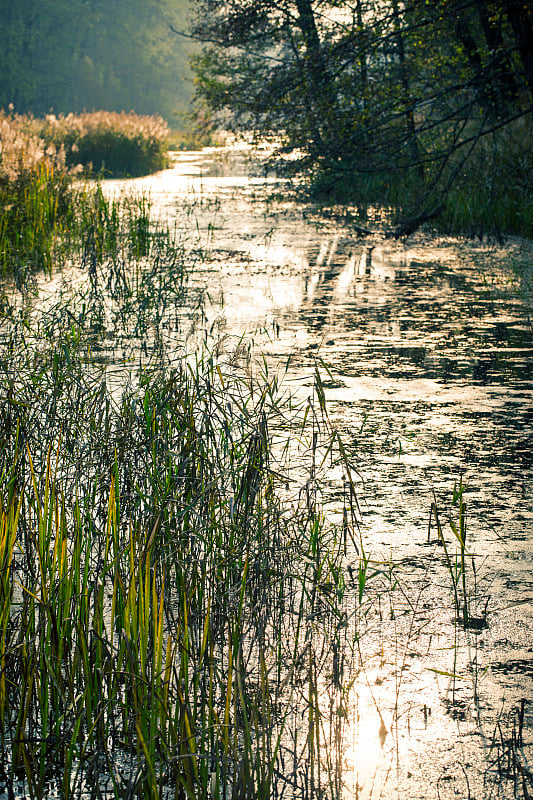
x=163, y=611
x=46, y=217
x=189, y=603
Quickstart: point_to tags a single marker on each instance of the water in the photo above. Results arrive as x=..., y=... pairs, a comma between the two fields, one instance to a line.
x=428, y=346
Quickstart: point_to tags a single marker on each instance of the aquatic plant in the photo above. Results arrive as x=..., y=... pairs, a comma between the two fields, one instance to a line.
x=33, y=193
x=107, y=142
x=33, y=218
x=507, y=755
x=466, y=600
x=45, y=219
x=156, y=583
x=22, y=150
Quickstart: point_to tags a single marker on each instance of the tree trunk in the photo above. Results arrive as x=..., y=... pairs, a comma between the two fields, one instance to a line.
x=520, y=16
x=362, y=48
x=505, y=82
x=323, y=98
x=404, y=78
x=487, y=97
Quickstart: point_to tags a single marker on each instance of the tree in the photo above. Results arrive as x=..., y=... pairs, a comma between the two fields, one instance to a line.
x=268, y=64
x=367, y=89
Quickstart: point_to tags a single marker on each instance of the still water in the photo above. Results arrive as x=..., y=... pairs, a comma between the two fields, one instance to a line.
x=426, y=353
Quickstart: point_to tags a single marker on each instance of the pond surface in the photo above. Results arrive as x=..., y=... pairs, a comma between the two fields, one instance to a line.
x=429, y=353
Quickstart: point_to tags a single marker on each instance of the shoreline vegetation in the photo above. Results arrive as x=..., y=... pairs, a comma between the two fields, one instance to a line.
x=148, y=534
x=491, y=195
x=167, y=594
x=421, y=108
x=102, y=143
x=47, y=215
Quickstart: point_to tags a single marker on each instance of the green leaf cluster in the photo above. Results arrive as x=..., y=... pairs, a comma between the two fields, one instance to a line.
x=390, y=102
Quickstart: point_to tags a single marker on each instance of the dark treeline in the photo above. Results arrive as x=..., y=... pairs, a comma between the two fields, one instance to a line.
x=388, y=98
x=71, y=55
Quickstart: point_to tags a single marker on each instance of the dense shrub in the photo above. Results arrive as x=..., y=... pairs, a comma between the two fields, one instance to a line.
x=109, y=143
x=44, y=215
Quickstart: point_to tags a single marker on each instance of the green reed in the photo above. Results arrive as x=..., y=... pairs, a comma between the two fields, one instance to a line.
x=155, y=583
x=45, y=222
x=457, y=567
x=32, y=221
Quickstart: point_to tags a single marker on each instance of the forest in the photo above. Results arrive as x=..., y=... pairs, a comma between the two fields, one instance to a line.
x=72, y=55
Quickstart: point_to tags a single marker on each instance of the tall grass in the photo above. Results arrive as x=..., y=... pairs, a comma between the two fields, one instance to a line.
x=157, y=589
x=107, y=142
x=493, y=193
x=33, y=221
x=48, y=223
x=34, y=194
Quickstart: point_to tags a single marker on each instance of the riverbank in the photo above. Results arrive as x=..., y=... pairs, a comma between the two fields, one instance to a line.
x=46, y=216
x=486, y=192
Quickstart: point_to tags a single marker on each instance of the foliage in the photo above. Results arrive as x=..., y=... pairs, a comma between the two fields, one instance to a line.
x=394, y=96
x=45, y=218
x=199, y=130
x=71, y=55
